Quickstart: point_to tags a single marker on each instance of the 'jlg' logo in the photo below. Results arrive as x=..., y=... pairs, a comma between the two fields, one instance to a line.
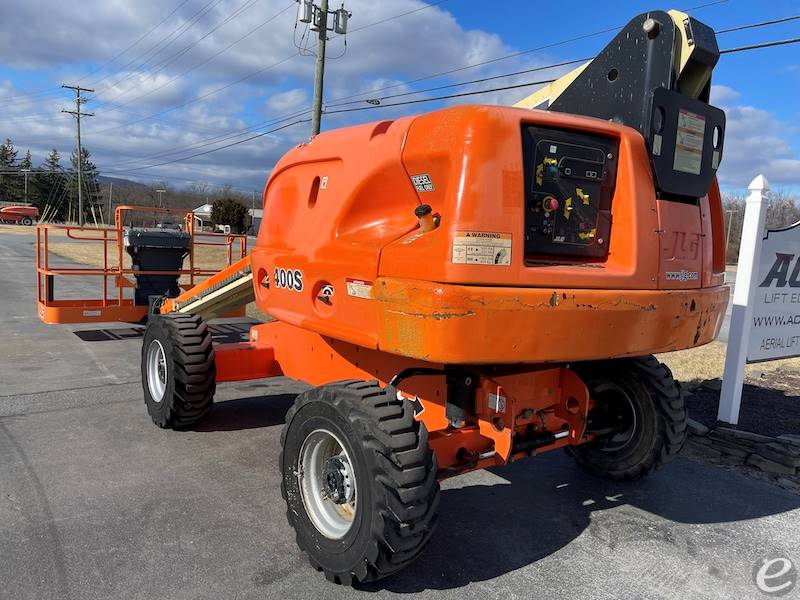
x=683, y=246
x=288, y=279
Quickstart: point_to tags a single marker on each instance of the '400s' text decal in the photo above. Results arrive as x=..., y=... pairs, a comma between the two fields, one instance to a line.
x=289, y=279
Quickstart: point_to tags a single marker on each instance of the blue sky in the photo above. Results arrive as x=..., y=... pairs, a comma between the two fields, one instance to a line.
x=167, y=94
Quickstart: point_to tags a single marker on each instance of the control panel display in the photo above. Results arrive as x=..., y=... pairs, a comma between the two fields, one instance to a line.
x=569, y=184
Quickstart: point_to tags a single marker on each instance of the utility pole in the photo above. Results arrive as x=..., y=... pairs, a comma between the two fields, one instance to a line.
x=160, y=201
x=319, y=71
x=318, y=16
x=26, y=171
x=110, y=202
x=78, y=114
x=728, y=232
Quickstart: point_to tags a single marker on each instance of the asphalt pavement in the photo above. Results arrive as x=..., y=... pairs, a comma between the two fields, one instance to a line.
x=97, y=503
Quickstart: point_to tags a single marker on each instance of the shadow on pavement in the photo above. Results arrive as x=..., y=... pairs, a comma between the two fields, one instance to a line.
x=486, y=531
x=247, y=413
x=535, y=507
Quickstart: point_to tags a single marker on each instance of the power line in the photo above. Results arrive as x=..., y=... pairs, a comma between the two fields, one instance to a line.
x=135, y=43
x=754, y=25
x=258, y=72
x=52, y=91
x=220, y=138
x=379, y=100
x=199, y=98
x=272, y=122
x=393, y=17
x=204, y=62
x=510, y=55
x=762, y=45
x=445, y=97
x=252, y=137
x=214, y=140
x=433, y=99
x=165, y=178
x=157, y=68
x=169, y=39
x=471, y=82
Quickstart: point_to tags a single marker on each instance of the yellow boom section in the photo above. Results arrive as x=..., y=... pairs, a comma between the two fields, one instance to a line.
x=229, y=289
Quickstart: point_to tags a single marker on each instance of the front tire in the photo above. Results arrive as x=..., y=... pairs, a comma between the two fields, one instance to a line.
x=359, y=481
x=27, y=221
x=178, y=371
x=640, y=418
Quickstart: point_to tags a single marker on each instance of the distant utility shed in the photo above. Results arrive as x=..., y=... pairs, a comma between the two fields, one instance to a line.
x=202, y=215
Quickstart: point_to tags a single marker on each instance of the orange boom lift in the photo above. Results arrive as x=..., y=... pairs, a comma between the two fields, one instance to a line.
x=470, y=287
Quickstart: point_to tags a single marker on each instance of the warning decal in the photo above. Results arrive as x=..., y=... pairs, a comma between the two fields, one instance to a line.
x=359, y=288
x=481, y=248
x=689, y=142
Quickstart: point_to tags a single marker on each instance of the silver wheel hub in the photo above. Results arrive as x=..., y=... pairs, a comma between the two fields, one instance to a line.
x=327, y=483
x=156, y=364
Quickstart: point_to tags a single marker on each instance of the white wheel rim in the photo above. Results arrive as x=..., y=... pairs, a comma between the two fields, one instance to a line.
x=331, y=518
x=156, y=370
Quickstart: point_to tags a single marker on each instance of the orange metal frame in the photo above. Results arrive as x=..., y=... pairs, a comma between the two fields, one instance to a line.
x=536, y=397
x=116, y=307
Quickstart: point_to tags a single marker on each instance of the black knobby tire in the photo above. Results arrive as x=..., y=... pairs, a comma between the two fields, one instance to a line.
x=397, y=492
x=190, y=373
x=660, y=424
x=27, y=221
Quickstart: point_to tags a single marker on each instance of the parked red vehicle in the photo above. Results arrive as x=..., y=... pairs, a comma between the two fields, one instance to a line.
x=23, y=215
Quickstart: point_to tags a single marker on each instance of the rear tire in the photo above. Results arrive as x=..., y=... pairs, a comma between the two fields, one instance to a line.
x=372, y=509
x=178, y=371
x=640, y=412
x=27, y=221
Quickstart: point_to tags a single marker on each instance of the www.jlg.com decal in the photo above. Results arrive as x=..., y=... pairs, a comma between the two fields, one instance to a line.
x=288, y=279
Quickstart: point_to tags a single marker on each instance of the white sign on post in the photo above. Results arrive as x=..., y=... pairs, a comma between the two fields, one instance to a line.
x=765, y=320
x=776, y=306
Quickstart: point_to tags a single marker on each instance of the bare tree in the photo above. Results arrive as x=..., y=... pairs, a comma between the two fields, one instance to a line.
x=783, y=210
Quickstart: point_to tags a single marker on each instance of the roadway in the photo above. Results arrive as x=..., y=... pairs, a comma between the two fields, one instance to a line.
x=97, y=503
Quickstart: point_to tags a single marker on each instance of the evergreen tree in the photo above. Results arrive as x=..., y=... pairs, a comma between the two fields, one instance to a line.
x=26, y=162
x=27, y=174
x=9, y=177
x=229, y=211
x=91, y=187
x=50, y=183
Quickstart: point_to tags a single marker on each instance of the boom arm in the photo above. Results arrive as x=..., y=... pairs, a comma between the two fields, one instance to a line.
x=654, y=76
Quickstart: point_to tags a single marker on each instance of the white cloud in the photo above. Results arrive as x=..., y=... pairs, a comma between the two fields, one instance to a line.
x=754, y=144
x=169, y=68
x=163, y=71
x=722, y=95
x=285, y=101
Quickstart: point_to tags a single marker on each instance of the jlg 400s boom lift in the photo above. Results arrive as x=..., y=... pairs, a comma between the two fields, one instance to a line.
x=471, y=286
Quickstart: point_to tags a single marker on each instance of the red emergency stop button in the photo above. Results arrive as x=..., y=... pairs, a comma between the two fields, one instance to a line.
x=550, y=204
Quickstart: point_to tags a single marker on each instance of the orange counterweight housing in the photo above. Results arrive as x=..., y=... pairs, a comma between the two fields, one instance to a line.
x=341, y=253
